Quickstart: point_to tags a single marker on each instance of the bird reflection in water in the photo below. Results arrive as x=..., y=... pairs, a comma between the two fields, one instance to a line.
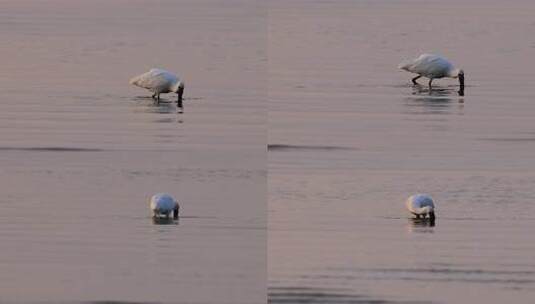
x=421, y=225
x=438, y=100
x=170, y=113
x=164, y=221
x=165, y=107
x=437, y=91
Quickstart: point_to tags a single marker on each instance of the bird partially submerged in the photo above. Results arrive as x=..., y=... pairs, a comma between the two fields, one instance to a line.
x=433, y=66
x=162, y=205
x=160, y=81
x=422, y=206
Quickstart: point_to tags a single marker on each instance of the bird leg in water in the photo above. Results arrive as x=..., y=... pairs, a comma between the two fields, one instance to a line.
x=415, y=78
x=156, y=97
x=430, y=81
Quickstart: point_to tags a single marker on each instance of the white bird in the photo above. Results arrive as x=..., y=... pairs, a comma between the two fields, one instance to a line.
x=421, y=205
x=160, y=81
x=162, y=204
x=432, y=66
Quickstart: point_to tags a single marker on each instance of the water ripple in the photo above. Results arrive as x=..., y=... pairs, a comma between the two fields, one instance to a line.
x=288, y=295
x=51, y=149
x=283, y=147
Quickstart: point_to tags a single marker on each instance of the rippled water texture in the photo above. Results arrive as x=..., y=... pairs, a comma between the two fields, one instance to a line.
x=350, y=139
x=81, y=152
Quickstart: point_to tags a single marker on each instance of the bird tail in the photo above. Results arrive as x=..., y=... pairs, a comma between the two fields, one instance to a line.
x=134, y=80
x=405, y=64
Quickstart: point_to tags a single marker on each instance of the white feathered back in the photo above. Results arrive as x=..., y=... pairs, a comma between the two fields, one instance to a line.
x=420, y=204
x=429, y=65
x=162, y=202
x=157, y=81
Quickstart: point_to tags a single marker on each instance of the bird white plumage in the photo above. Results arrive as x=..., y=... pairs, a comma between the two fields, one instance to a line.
x=162, y=204
x=421, y=205
x=160, y=81
x=432, y=67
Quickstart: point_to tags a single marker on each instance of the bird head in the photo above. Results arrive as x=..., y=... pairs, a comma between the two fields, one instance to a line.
x=176, y=210
x=180, y=90
x=178, y=86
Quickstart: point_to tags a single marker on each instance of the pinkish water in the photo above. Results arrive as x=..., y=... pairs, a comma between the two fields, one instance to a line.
x=81, y=152
x=351, y=138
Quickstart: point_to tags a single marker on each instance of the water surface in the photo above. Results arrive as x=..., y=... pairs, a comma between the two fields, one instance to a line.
x=81, y=152
x=353, y=139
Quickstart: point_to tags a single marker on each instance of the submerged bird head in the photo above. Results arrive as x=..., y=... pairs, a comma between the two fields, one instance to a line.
x=177, y=209
x=461, y=82
x=458, y=73
x=179, y=89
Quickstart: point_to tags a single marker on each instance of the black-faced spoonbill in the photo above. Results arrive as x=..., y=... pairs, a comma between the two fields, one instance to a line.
x=162, y=204
x=160, y=81
x=433, y=66
x=421, y=205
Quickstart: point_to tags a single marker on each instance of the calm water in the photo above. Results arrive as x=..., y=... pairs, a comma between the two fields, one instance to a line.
x=81, y=152
x=350, y=140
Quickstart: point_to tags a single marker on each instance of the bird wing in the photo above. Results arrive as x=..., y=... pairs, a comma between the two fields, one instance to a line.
x=420, y=204
x=162, y=202
x=428, y=65
x=171, y=78
x=155, y=80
